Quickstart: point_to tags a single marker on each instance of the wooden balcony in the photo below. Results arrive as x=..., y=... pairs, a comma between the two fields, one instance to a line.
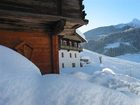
x=71, y=48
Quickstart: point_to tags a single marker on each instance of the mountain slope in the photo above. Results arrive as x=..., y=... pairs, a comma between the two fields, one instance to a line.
x=100, y=32
x=117, y=43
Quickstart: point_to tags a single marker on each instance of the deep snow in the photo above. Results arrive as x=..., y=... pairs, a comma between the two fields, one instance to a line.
x=9, y=59
x=22, y=84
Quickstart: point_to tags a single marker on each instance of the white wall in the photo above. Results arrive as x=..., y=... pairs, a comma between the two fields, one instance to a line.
x=67, y=60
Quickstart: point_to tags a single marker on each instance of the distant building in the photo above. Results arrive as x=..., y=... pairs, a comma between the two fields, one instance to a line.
x=84, y=60
x=70, y=48
x=31, y=27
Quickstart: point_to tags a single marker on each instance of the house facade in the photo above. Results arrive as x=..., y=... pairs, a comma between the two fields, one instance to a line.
x=31, y=27
x=69, y=50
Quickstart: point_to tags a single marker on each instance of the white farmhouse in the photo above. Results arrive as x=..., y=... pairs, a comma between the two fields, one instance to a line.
x=70, y=48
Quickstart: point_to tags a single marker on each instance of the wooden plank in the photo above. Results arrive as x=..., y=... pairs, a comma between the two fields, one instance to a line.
x=50, y=7
x=39, y=52
x=37, y=17
x=32, y=6
x=67, y=32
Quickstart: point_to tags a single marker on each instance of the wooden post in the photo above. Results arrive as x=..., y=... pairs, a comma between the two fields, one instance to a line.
x=55, y=53
x=100, y=59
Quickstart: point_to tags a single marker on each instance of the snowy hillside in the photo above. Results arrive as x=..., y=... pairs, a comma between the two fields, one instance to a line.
x=131, y=57
x=22, y=84
x=124, y=42
x=117, y=65
x=113, y=45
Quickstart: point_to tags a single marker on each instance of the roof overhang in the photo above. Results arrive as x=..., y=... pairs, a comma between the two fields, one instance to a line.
x=29, y=22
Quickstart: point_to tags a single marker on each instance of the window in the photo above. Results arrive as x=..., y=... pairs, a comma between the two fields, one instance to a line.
x=61, y=41
x=81, y=65
x=70, y=43
x=65, y=42
x=70, y=55
x=63, y=65
x=79, y=46
x=73, y=65
x=75, y=55
x=75, y=44
x=62, y=55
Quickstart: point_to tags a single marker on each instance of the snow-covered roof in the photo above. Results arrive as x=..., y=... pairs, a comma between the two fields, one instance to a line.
x=81, y=35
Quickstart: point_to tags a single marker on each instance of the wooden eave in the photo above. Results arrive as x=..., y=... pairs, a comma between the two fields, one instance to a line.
x=14, y=20
x=81, y=38
x=74, y=37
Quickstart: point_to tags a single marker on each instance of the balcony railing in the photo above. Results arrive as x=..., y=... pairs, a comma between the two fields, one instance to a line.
x=71, y=48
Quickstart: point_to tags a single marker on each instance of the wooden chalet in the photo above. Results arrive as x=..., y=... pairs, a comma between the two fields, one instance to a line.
x=31, y=27
x=69, y=50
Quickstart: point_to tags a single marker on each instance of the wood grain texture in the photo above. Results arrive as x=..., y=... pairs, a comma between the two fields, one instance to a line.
x=66, y=8
x=41, y=44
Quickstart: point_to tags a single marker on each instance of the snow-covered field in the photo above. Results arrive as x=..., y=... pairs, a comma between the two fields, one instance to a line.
x=119, y=66
x=116, y=44
x=22, y=84
x=113, y=45
x=131, y=57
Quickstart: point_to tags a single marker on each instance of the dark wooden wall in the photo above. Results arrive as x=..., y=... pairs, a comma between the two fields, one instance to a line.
x=36, y=46
x=65, y=8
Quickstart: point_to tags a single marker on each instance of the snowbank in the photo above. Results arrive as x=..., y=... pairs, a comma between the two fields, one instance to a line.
x=72, y=91
x=13, y=62
x=107, y=78
x=58, y=90
x=22, y=84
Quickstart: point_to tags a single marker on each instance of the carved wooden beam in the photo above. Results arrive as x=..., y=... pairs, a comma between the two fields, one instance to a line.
x=55, y=27
x=28, y=21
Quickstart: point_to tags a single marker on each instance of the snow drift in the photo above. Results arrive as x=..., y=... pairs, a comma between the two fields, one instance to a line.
x=13, y=62
x=22, y=84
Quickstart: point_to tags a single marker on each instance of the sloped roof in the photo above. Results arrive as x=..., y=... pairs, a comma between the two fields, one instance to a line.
x=77, y=36
x=80, y=35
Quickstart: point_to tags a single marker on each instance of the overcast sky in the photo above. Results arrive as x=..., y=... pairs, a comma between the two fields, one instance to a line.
x=110, y=12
